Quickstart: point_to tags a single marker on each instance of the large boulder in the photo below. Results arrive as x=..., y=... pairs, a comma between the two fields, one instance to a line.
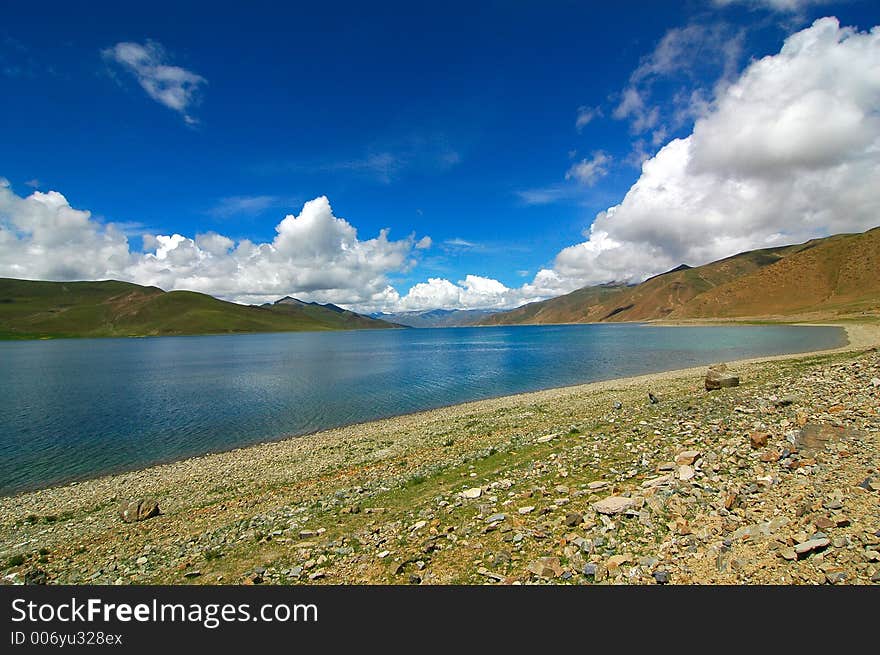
x=139, y=510
x=718, y=377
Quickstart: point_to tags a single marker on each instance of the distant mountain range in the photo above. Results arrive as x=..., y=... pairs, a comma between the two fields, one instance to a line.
x=834, y=277
x=429, y=318
x=31, y=309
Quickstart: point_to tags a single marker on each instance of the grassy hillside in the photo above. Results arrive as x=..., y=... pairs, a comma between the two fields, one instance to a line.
x=30, y=309
x=823, y=278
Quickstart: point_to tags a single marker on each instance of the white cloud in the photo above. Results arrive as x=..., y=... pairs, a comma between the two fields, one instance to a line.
x=789, y=151
x=172, y=86
x=784, y=6
x=589, y=171
x=243, y=205
x=689, y=55
x=585, y=116
x=315, y=255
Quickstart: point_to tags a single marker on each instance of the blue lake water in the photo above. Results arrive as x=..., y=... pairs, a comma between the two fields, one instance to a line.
x=78, y=408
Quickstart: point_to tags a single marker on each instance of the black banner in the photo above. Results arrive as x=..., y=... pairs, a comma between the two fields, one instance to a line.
x=134, y=618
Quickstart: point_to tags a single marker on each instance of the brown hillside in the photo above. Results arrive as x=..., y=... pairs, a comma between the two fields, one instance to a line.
x=834, y=276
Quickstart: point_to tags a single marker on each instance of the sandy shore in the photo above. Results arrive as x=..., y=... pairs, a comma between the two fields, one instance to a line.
x=202, y=497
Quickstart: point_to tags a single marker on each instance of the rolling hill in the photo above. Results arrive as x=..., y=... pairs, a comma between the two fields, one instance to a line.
x=33, y=309
x=834, y=277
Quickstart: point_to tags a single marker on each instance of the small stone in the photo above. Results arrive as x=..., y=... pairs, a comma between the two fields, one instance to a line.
x=545, y=438
x=770, y=456
x=383, y=554
x=788, y=554
x=590, y=570
x=758, y=439
x=875, y=382
x=546, y=567
x=661, y=577
x=615, y=561
x=718, y=378
x=686, y=457
x=806, y=547
x=140, y=561
x=139, y=510
x=598, y=484
x=475, y=492
x=573, y=519
x=614, y=505
x=192, y=574
x=495, y=518
x=685, y=473
x=526, y=510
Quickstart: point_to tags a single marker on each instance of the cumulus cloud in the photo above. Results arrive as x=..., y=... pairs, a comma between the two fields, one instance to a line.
x=314, y=255
x=789, y=151
x=172, y=86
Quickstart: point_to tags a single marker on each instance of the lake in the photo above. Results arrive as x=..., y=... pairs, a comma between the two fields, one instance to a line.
x=77, y=408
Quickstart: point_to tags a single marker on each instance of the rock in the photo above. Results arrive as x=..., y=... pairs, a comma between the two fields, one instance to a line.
x=590, y=570
x=598, y=484
x=614, y=505
x=815, y=436
x=526, y=510
x=615, y=561
x=475, y=492
x=36, y=577
x=546, y=567
x=717, y=377
x=685, y=473
x=496, y=518
x=192, y=574
x=573, y=519
x=805, y=548
x=788, y=554
x=661, y=577
x=758, y=439
x=785, y=401
x=875, y=382
x=139, y=510
x=657, y=482
x=546, y=438
x=687, y=457
x=141, y=560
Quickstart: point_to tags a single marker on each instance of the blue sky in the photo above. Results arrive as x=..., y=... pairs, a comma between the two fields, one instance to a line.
x=457, y=122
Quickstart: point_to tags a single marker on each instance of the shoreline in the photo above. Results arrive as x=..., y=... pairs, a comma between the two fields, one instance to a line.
x=268, y=503
x=858, y=336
